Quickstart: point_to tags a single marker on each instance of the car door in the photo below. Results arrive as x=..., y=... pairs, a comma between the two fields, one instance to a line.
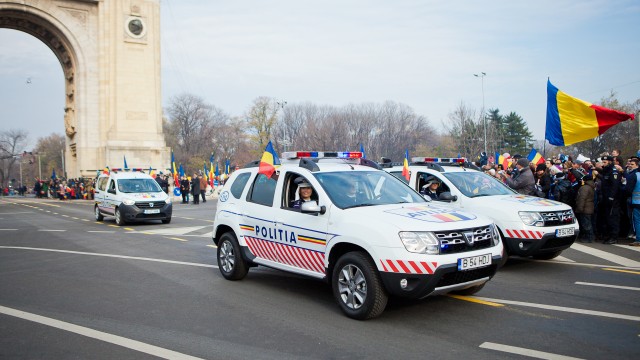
x=110, y=197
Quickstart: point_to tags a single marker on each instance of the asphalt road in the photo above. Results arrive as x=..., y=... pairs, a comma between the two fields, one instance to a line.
x=74, y=288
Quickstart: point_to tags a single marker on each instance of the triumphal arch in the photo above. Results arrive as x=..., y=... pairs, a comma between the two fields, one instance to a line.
x=109, y=51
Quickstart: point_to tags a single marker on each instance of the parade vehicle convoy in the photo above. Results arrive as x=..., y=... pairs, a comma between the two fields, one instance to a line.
x=365, y=232
x=529, y=225
x=131, y=196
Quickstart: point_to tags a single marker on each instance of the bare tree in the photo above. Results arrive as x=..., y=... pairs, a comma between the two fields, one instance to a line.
x=12, y=144
x=261, y=121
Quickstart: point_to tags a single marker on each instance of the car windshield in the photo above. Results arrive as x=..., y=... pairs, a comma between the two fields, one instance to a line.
x=350, y=189
x=138, y=185
x=475, y=183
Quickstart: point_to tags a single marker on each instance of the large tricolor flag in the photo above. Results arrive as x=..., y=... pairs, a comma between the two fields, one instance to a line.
x=571, y=120
x=174, y=171
x=205, y=173
x=535, y=157
x=405, y=166
x=269, y=161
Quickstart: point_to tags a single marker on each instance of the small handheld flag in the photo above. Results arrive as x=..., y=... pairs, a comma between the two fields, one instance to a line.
x=125, y=162
x=364, y=156
x=269, y=161
x=405, y=167
x=535, y=157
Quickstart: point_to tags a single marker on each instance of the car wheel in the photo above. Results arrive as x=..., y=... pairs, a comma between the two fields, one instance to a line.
x=166, y=221
x=230, y=261
x=357, y=286
x=99, y=216
x=547, y=256
x=469, y=291
x=119, y=219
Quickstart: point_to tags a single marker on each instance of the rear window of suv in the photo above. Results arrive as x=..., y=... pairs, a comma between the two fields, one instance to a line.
x=238, y=185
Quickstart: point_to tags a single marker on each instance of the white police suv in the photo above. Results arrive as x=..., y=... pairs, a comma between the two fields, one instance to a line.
x=529, y=225
x=363, y=231
x=131, y=196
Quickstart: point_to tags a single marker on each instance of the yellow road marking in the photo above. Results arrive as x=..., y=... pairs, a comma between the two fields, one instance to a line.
x=84, y=219
x=146, y=233
x=623, y=271
x=130, y=229
x=99, y=222
x=474, y=300
x=114, y=225
x=173, y=238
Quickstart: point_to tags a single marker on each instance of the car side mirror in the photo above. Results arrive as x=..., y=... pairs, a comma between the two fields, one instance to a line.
x=446, y=196
x=311, y=207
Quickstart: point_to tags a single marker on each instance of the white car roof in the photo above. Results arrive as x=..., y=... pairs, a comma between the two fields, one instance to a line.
x=127, y=175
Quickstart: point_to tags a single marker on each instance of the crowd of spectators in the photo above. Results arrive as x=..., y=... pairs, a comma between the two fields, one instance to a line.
x=600, y=191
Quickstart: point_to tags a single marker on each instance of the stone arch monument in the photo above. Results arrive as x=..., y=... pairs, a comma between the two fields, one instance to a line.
x=109, y=51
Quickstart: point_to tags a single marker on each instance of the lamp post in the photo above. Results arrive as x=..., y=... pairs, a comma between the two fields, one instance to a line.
x=285, y=140
x=484, y=118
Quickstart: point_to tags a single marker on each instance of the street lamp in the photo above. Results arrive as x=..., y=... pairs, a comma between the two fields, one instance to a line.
x=484, y=118
x=285, y=141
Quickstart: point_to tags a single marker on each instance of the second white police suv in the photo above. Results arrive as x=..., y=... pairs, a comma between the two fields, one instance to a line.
x=364, y=231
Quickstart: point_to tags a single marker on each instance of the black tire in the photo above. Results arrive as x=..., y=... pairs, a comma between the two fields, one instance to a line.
x=97, y=213
x=166, y=221
x=230, y=261
x=357, y=286
x=120, y=221
x=547, y=256
x=469, y=291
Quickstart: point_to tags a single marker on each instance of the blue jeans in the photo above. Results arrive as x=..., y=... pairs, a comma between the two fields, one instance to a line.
x=636, y=222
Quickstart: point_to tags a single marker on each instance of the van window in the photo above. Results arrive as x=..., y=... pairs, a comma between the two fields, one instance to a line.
x=102, y=183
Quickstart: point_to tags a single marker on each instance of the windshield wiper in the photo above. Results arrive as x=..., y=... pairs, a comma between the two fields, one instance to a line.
x=359, y=205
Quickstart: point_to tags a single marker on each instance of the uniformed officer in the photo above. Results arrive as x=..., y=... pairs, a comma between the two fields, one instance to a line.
x=304, y=191
x=611, y=184
x=431, y=187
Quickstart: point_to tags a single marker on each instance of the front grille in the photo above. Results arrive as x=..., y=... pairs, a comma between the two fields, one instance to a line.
x=459, y=277
x=147, y=204
x=457, y=241
x=555, y=218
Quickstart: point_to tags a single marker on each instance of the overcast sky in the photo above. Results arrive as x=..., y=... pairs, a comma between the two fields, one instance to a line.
x=420, y=53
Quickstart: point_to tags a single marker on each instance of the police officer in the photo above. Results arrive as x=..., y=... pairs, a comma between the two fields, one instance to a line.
x=610, y=188
x=633, y=190
x=304, y=191
x=431, y=187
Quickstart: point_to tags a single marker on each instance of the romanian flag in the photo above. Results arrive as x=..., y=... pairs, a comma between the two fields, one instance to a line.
x=152, y=172
x=181, y=171
x=226, y=167
x=535, y=157
x=405, y=166
x=571, y=120
x=217, y=172
x=211, y=170
x=174, y=171
x=205, y=172
x=269, y=161
x=105, y=170
x=501, y=159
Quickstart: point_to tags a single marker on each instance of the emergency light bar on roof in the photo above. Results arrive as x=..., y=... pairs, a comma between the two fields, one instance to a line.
x=439, y=160
x=322, y=154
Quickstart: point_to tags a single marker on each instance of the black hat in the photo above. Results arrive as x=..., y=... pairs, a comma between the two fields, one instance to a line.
x=431, y=180
x=541, y=167
x=559, y=175
x=302, y=182
x=517, y=156
x=607, y=157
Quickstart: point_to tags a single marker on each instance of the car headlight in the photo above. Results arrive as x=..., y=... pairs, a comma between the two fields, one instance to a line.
x=531, y=218
x=128, y=202
x=422, y=242
x=168, y=200
x=495, y=233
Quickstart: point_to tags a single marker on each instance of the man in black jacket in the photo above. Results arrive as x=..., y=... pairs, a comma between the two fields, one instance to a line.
x=543, y=181
x=610, y=188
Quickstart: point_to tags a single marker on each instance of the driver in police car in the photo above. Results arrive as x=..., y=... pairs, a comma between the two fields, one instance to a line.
x=304, y=191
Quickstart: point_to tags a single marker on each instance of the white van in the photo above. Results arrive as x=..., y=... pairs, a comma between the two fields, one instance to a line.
x=131, y=196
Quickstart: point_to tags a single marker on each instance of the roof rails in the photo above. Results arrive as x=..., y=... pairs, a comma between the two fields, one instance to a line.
x=387, y=163
x=251, y=164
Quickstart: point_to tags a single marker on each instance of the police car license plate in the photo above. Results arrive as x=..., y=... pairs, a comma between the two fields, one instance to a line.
x=152, y=211
x=474, y=262
x=564, y=232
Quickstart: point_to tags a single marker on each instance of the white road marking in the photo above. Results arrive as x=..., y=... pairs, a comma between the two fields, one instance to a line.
x=563, y=259
x=111, y=255
x=562, y=308
x=605, y=255
x=101, y=231
x=585, y=264
x=634, y=248
x=177, y=230
x=50, y=230
x=525, y=352
x=17, y=212
x=8, y=229
x=99, y=335
x=608, y=286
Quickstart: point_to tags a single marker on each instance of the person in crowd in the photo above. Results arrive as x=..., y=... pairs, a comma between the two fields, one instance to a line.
x=195, y=189
x=629, y=175
x=562, y=189
x=611, y=183
x=185, y=186
x=305, y=192
x=203, y=188
x=543, y=181
x=431, y=187
x=522, y=179
x=585, y=205
x=632, y=189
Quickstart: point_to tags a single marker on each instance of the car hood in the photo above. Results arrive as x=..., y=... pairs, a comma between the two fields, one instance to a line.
x=519, y=202
x=146, y=196
x=417, y=217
